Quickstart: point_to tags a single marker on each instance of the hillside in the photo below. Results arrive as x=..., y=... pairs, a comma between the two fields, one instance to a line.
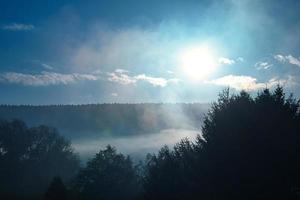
x=76, y=121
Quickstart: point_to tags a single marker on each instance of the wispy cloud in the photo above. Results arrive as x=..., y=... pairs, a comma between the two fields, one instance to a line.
x=289, y=59
x=249, y=83
x=240, y=59
x=132, y=48
x=121, y=76
x=152, y=80
x=47, y=66
x=121, y=71
x=18, y=27
x=44, y=78
x=226, y=61
x=161, y=82
x=292, y=60
x=280, y=58
x=262, y=65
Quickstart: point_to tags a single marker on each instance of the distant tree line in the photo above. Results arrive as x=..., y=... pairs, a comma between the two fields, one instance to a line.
x=108, y=119
x=249, y=149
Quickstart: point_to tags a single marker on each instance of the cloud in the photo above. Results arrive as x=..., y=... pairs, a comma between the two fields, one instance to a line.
x=121, y=71
x=289, y=59
x=280, y=58
x=97, y=72
x=226, y=61
x=46, y=66
x=132, y=48
x=152, y=80
x=114, y=94
x=292, y=60
x=262, y=65
x=42, y=64
x=240, y=59
x=121, y=76
x=249, y=83
x=44, y=78
x=18, y=27
x=52, y=78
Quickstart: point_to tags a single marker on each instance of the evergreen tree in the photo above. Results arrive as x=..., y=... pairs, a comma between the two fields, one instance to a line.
x=109, y=175
x=249, y=149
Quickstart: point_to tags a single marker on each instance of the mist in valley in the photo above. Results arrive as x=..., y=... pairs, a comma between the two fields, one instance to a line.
x=174, y=150
x=149, y=100
x=135, y=146
x=134, y=129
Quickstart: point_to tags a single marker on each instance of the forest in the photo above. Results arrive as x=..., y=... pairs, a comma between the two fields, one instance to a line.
x=75, y=121
x=249, y=149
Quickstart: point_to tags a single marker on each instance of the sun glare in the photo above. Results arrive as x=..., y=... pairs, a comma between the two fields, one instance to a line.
x=198, y=62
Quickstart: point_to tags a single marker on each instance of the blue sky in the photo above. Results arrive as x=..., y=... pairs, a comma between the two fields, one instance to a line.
x=63, y=52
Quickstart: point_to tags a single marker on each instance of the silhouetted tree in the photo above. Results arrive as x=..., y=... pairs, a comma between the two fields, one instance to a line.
x=31, y=157
x=56, y=190
x=108, y=175
x=252, y=145
x=249, y=149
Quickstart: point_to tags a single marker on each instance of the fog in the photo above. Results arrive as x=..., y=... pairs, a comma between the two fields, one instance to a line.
x=135, y=146
x=134, y=129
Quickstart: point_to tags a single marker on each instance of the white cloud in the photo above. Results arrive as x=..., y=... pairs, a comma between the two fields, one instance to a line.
x=18, y=27
x=44, y=78
x=289, y=58
x=262, y=65
x=280, y=58
x=121, y=76
x=249, y=83
x=226, y=61
x=114, y=94
x=292, y=60
x=121, y=71
x=152, y=80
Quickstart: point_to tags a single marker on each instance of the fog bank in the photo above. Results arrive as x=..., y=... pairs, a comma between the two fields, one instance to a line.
x=135, y=146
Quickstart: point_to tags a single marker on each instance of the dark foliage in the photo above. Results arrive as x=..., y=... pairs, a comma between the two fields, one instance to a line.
x=56, y=190
x=169, y=175
x=31, y=157
x=108, y=175
x=249, y=150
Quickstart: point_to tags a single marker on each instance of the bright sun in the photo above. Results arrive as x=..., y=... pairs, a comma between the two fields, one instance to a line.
x=198, y=62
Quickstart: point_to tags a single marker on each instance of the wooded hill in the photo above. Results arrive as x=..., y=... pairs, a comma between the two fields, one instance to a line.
x=76, y=121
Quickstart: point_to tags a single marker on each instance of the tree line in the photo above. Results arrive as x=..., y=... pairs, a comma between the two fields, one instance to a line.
x=108, y=119
x=249, y=149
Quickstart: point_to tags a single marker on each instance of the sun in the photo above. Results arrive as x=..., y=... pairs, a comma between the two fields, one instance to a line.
x=198, y=62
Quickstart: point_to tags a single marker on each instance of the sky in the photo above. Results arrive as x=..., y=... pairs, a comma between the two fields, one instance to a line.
x=133, y=51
